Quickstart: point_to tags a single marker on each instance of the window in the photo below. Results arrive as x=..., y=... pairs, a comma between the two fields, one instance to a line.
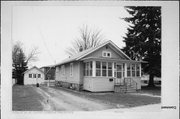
x=104, y=68
x=34, y=75
x=63, y=70
x=30, y=75
x=39, y=75
x=98, y=68
x=128, y=70
x=137, y=70
x=119, y=70
x=71, y=69
x=109, y=68
x=115, y=70
x=106, y=54
x=88, y=69
x=133, y=70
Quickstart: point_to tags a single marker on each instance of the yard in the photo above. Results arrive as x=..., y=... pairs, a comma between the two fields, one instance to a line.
x=31, y=98
x=25, y=98
x=144, y=97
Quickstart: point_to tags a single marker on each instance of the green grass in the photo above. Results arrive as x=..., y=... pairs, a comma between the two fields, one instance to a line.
x=125, y=99
x=25, y=98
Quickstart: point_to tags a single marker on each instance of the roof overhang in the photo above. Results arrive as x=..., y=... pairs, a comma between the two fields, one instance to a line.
x=111, y=59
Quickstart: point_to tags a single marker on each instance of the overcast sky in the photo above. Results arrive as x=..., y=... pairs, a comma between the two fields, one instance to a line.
x=53, y=28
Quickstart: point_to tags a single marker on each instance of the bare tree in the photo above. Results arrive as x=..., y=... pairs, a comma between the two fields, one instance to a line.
x=88, y=38
x=32, y=56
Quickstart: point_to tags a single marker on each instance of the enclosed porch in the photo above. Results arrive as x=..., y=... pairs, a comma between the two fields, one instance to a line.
x=102, y=74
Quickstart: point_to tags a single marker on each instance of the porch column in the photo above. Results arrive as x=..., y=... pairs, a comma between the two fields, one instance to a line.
x=93, y=68
x=140, y=69
x=125, y=70
x=113, y=69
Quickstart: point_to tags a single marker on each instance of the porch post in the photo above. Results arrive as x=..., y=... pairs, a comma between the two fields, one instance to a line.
x=125, y=70
x=140, y=69
x=93, y=68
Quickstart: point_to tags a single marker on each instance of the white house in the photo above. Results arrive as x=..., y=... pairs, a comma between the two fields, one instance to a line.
x=33, y=76
x=101, y=68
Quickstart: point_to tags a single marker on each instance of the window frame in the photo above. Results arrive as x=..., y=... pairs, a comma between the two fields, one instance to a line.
x=63, y=70
x=30, y=76
x=88, y=68
x=34, y=75
x=105, y=54
x=39, y=75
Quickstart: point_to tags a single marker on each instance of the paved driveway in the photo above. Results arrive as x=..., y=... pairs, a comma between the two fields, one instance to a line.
x=59, y=100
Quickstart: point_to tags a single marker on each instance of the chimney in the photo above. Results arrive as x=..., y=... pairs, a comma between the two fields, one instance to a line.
x=80, y=49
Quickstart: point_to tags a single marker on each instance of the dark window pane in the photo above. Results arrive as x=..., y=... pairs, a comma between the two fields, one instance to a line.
x=128, y=73
x=103, y=65
x=109, y=65
x=98, y=72
x=109, y=72
x=39, y=75
x=98, y=64
x=103, y=72
x=119, y=75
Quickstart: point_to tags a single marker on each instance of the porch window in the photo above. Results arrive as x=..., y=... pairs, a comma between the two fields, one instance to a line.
x=104, y=68
x=98, y=68
x=137, y=70
x=88, y=68
x=115, y=70
x=110, y=69
x=119, y=71
x=128, y=70
x=133, y=70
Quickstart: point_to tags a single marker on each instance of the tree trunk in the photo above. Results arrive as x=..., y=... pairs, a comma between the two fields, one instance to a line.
x=151, y=81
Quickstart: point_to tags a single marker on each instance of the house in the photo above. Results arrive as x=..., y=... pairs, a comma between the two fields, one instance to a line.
x=49, y=73
x=99, y=69
x=33, y=76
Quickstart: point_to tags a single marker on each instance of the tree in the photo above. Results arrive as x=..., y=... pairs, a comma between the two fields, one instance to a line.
x=88, y=38
x=20, y=61
x=143, y=40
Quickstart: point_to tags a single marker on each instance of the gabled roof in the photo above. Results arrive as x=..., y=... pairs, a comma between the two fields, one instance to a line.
x=34, y=67
x=84, y=53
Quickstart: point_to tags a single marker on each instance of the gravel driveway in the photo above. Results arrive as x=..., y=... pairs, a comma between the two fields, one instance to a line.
x=59, y=100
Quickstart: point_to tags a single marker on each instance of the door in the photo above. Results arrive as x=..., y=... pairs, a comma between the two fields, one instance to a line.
x=119, y=74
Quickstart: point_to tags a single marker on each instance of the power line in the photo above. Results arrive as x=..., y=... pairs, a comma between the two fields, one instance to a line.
x=42, y=36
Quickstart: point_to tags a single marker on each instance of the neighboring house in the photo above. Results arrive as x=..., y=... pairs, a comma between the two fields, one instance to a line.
x=49, y=73
x=33, y=76
x=101, y=68
x=145, y=80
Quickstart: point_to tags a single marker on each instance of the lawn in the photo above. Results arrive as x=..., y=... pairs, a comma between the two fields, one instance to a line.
x=118, y=99
x=151, y=90
x=25, y=98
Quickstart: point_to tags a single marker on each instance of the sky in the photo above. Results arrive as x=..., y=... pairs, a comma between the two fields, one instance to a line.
x=53, y=28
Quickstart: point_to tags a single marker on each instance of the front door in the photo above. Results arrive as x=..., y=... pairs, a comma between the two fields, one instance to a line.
x=119, y=74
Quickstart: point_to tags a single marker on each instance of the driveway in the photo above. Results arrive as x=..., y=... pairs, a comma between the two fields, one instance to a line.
x=59, y=100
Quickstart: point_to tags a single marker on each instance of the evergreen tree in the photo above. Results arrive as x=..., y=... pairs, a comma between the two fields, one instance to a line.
x=20, y=61
x=19, y=66
x=143, y=40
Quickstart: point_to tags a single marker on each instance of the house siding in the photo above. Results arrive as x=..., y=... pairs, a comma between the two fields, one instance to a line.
x=70, y=81
x=28, y=81
x=98, y=84
x=98, y=53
